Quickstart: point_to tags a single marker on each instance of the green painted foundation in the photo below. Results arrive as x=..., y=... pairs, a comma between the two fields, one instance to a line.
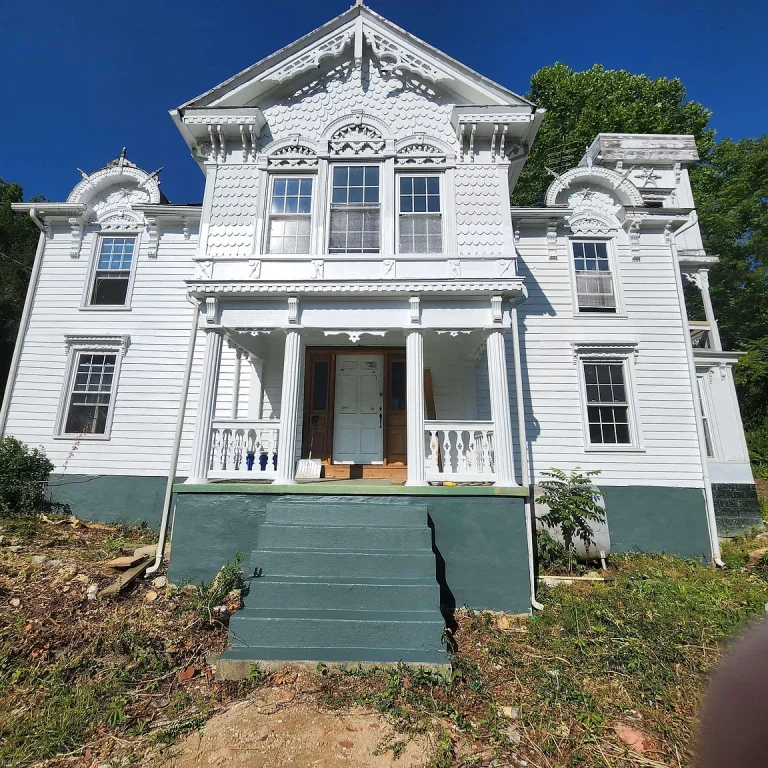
x=111, y=498
x=656, y=519
x=479, y=541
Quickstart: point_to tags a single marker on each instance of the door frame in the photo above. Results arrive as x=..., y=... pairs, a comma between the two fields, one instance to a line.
x=388, y=354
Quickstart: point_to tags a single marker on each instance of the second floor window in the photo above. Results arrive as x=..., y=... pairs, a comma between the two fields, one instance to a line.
x=355, y=222
x=594, y=279
x=113, y=271
x=290, y=214
x=421, y=225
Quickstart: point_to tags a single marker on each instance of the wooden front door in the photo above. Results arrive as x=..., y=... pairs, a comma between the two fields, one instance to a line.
x=358, y=420
x=354, y=406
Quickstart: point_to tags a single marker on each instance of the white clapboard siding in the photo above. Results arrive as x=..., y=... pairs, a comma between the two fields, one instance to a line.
x=149, y=388
x=548, y=326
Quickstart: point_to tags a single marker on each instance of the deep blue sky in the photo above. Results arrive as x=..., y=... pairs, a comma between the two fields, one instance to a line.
x=81, y=80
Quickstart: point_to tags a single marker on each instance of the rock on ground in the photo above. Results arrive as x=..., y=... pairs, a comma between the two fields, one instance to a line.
x=279, y=728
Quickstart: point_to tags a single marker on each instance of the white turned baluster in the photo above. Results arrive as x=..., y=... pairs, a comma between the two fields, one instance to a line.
x=214, y=449
x=434, y=443
x=461, y=456
x=447, y=463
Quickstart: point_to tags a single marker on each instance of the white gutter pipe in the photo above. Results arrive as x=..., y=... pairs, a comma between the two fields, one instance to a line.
x=24, y=322
x=524, y=469
x=708, y=498
x=176, y=441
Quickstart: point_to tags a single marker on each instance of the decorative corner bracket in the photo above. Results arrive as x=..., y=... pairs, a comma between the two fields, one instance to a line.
x=76, y=226
x=293, y=309
x=210, y=310
x=153, y=227
x=414, y=304
x=496, y=309
x=552, y=239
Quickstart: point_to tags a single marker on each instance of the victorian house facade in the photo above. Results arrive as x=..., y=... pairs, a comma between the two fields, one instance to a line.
x=356, y=289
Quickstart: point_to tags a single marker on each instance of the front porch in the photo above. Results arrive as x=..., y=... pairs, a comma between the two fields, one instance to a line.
x=414, y=407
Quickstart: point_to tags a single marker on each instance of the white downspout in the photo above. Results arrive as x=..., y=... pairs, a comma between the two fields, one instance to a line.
x=24, y=322
x=709, y=500
x=524, y=469
x=176, y=441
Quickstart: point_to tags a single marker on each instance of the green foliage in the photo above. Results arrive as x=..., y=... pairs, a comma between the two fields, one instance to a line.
x=573, y=503
x=640, y=647
x=552, y=554
x=582, y=104
x=24, y=473
x=210, y=595
x=18, y=242
x=731, y=191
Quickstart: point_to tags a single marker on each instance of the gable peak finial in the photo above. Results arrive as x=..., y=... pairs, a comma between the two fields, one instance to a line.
x=359, y=3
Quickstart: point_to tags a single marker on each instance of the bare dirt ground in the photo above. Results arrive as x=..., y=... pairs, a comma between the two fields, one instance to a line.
x=283, y=727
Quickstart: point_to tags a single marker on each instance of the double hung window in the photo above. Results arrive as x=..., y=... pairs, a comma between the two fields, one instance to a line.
x=290, y=215
x=113, y=271
x=355, y=222
x=594, y=278
x=91, y=392
x=420, y=215
x=607, y=404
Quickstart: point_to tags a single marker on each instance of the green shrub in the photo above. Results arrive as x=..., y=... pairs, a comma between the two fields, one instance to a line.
x=552, y=554
x=209, y=597
x=573, y=503
x=24, y=474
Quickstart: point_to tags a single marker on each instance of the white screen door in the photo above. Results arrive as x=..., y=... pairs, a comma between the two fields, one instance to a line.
x=358, y=418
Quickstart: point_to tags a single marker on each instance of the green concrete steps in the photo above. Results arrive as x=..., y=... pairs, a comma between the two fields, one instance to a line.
x=335, y=562
x=419, y=630
x=351, y=579
x=387, y=512
x=339, y=594
x=357, y=537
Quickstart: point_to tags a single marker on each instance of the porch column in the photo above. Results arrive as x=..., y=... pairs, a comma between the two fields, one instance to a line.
x=206, y=404
x=498, y=386
x=236, y=383
x=414, y=377
x=289, y=410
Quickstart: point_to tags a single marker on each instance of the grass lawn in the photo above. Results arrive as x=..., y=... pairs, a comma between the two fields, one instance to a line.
x=89, y=682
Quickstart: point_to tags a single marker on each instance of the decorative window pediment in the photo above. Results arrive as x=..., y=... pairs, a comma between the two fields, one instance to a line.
x=357, y=139
x=292, y=156
x=421, y=152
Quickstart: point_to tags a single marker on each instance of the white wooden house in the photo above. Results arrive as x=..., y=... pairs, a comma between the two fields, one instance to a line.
x=356, y=286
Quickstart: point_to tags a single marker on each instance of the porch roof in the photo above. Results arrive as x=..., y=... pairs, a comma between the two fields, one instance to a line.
x=480, y=287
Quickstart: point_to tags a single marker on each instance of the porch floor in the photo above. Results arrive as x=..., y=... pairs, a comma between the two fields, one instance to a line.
x=354, y=487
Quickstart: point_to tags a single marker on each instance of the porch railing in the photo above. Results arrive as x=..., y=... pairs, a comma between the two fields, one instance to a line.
x=460, y=451
x=701, y=334
x=244, y=449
